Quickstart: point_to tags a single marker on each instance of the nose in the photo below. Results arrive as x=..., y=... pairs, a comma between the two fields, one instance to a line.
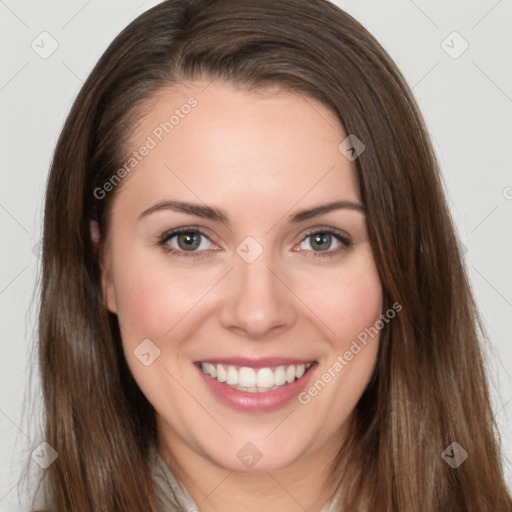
x=257, y=299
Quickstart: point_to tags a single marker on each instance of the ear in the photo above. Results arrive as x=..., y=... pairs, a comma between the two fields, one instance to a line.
x=107, y=284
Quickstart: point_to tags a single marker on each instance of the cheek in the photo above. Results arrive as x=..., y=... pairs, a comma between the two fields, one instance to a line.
x=150, y=299
x=356, y=306
x=151, y=305
x=141, y=302
x=347, y=300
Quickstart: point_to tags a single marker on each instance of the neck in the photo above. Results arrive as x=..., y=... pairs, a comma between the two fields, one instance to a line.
x=298, y=487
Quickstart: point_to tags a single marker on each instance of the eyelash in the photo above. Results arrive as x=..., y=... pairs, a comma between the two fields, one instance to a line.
x=168, y=235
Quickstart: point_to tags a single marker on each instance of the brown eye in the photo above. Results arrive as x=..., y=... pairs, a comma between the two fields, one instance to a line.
x=189, y=240
x=321, y=241
x=185, y=240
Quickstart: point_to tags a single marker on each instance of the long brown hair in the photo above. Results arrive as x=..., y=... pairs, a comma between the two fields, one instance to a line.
x=428, y=389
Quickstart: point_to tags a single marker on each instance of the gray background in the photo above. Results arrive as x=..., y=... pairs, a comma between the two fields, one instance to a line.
x=466, y=99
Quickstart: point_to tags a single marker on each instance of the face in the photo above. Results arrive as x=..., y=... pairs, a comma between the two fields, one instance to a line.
x=240, y=313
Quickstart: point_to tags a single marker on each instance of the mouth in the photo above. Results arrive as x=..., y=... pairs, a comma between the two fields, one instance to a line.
x=262, y=385
x=255, y=380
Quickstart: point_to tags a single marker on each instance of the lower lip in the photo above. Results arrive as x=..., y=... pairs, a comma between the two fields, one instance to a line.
x=257, y=402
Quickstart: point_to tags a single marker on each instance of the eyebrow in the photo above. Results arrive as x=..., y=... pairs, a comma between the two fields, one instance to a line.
x=217, y=215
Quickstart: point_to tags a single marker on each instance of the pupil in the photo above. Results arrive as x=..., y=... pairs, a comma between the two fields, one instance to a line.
x=320, y=238
x=191, y=240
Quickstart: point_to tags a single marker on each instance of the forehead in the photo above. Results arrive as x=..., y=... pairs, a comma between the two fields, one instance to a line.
x=221, y=144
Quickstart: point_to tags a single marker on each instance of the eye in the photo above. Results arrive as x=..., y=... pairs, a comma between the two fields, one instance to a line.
x=193, y=242
x=321, y=241
x=181, y=241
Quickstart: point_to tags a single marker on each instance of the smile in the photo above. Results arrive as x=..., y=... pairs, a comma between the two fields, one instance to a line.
x=255, y=380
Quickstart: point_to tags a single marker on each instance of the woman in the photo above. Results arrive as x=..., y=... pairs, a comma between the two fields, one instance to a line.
x=252, y=294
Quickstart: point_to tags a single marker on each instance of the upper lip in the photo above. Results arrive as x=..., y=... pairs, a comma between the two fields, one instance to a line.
x=261, y=362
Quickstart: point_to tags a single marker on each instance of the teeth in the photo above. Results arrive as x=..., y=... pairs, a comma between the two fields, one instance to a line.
x=221, y=373
x=279, y=376
x=290, y=374
x=255, y=380
x=232, y=379
x=301, y=370
x=265, y=378
x=246, y=377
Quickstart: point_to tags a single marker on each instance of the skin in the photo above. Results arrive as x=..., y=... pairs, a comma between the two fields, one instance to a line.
x=260, y=157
